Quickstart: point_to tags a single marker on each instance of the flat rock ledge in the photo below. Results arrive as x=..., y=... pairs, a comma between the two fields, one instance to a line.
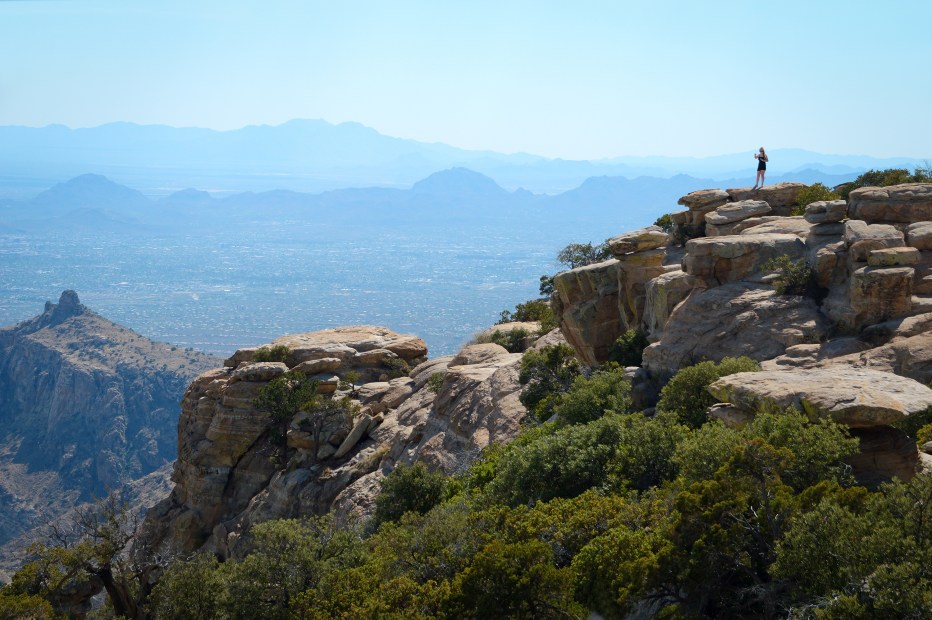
x=855, y=397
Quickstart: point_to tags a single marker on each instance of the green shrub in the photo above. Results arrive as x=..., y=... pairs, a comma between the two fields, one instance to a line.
x=350, y=378
x=590, y=398
x=924, y=434
x=884, y=178
x=397, y=367
x=517, y=581
x=435, y=381
x=278, y=353
x=284, y=396
x=190, y=588
x=914, y=425
x=560, y=463
x=546, y=286
x=628, y=349
x=686, y=396
x=544, y=375
x=794, y=277
x=409, y=489
x=665, y=222
x=626, y=451
x=813, y=193
x=581, y=254
x=533, y=310
x=514, y=340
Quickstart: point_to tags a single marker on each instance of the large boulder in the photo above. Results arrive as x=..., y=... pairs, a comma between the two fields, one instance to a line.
x=704, y=199
x=718, y=260
x=634, y=273
x=586, y=304
x=648, y=238
x=738, y=227
x=855, y=397
x=903, y=347
x=664, y=293
x=862, y=238
x=904, y=204
x=779, y=225
x=879, y=294
x=884, y=453
x=919, y=235
x=740, y=318
x=691, y=223
x=781, y=197
x=826, y=211
x=737, y=211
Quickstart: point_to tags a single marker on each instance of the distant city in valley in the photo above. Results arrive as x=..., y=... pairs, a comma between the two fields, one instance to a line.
x=218, y=240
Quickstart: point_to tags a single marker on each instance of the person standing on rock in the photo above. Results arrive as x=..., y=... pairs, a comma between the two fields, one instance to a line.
x=761, y=158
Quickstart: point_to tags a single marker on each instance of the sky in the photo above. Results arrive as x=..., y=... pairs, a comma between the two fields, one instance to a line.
x=577, y=80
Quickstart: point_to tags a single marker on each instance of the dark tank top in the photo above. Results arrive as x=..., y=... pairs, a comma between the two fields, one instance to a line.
x=761, y=163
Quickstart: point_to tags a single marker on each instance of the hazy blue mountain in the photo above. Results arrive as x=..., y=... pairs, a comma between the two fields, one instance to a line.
x=455, y=195
x=88, y=191
x=315, y=156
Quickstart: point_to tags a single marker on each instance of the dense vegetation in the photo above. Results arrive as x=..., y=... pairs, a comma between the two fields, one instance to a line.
x=884, y=178
x=600, y=508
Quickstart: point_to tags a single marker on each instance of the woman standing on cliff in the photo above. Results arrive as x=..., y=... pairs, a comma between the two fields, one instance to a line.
x=761, y=158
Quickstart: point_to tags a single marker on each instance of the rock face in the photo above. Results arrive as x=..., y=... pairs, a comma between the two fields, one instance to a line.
x=736, y=319
x=867, y=272
x=904, y=204
x=858, y=342
x=700, y=292
x=231, y=472
x=781, y=197
x=719, y=260
x=587, y=301
x=86, y=406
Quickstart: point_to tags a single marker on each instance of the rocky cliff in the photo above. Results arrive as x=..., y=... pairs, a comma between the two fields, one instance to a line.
x=232, y=470
x=86, y=406
x=701, y=291
x=704, y=291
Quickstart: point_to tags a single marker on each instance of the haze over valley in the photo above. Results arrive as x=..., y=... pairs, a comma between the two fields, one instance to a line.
x=440, y=256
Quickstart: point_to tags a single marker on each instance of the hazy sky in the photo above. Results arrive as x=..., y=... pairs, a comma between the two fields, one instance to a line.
x=572, y=79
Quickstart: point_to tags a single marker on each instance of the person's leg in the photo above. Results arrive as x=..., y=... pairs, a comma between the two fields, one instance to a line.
x=757, y=180
x=761, y=174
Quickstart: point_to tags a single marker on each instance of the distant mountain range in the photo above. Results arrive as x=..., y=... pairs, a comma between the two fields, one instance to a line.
x=95, y=202
x=315, y=156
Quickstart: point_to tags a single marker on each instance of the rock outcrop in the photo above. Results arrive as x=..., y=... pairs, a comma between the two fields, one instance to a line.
x=741, y=318
x=867, y=309
x=701, y=291
x=231, y=472
x=865, y=400
x=86, y=406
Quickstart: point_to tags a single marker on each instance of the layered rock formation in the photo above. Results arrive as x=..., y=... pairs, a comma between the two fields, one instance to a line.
x=711, y=298
x=86, y=406
x=231, y=472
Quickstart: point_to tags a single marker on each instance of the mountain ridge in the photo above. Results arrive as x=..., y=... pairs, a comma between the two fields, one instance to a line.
x=314, y=155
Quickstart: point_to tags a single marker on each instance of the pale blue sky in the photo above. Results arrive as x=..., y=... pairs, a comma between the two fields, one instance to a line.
x=580, y=79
